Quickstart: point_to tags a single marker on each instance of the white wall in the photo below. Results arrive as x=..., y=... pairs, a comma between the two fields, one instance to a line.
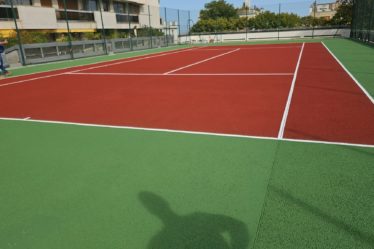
x=36, y=18
x=264, y=35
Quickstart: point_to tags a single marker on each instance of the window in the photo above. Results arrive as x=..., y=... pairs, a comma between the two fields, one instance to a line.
x=119, y=7
x=16, y=2
x=90, y=5
x=105, y=5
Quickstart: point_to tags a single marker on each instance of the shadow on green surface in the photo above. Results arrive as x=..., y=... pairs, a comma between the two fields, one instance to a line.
x=193, y=231
x=360, y=235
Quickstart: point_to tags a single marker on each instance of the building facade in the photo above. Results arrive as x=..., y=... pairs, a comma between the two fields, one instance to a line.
x=324, y=10
x=83, y=15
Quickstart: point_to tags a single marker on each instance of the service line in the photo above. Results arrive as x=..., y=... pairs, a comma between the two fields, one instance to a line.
x=199, y=62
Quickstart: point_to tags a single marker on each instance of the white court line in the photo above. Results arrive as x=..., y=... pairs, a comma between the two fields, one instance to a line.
x=248, y=48
x=349, y=73
x=287, y=108
x=120, y=62
x=31, y=79
x=133, y=60
x=188, y=132
x=199, y=62
x=184, y=74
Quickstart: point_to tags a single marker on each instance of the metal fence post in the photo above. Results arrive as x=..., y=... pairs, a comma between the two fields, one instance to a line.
x=102, y=28
x=166, y=29
x=23, y=60
x=179, y=27
x=370, y=21
x=279, y=20
x=189, y=26
x=150, y=25
x=314, y=16
x=69, y=33
x=129, y=20
x=246, y=25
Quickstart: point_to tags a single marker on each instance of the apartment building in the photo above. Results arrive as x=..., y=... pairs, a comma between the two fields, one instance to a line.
x=324, y=10
x=82, y=15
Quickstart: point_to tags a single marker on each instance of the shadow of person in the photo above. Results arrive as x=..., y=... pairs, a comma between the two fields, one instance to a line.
x=193, y=231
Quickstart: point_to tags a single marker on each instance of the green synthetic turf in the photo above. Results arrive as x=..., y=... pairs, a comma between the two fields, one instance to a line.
x=86, y=61
x=64, y=186
x=78, y=187
x=320, y=196
x=358, y=58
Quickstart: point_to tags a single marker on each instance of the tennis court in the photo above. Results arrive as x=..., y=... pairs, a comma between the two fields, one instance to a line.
x=269, y=144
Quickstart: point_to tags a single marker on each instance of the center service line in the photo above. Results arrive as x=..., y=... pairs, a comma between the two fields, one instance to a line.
x=199, y=62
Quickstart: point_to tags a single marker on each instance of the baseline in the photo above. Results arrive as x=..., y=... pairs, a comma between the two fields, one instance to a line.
x=29, y=120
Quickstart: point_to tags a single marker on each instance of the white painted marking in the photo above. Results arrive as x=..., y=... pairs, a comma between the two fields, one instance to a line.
x=133, y=60
x=189, y=132
x=184, y=74
x=250, y=48
x=287, y=108
x=351, y=75
x=199, y=62
x=27, y=118
x=31, y=79
x=107, y=64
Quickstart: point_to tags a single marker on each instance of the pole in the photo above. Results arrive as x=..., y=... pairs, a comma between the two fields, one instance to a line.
x=166, y=29
x=129, y=20
x=69, y=34
x=314, y=16
x=102, y=28
x=23, y=61
x=179, y=27
x=370, y=22
x=189, y=26
x=353, y=24
x=279, y=20
x=150, y=25
x=246, y=26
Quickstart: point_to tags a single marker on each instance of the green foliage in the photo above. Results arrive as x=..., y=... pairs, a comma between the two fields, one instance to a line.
x=149, y=32
x=218, y=9
x=344, y=13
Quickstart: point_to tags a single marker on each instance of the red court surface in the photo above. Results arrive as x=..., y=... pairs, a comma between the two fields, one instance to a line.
x=327, y=104
x=234, y=90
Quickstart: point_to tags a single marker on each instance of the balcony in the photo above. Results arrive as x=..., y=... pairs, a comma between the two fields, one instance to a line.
x=124, y=18
x=75, y=15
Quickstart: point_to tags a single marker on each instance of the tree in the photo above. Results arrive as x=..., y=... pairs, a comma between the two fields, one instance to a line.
x=218, y=9
x=344, y=12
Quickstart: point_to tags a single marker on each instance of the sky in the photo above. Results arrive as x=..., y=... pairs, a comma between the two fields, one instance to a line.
x=300, y=7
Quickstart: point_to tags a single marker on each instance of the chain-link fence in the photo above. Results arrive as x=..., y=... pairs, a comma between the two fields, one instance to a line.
x=45, y=31
x=363, y=21
x=52, y=30
x=280, y=20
